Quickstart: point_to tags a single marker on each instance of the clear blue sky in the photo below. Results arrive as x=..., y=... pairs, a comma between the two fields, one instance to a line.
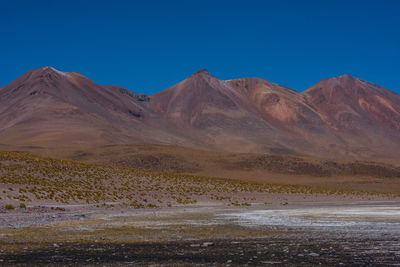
x=147, y=46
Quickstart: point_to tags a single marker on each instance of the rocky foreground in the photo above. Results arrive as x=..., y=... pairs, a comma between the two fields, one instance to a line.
x=329, y=235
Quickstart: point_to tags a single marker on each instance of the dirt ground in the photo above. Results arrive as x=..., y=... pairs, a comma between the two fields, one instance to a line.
x=213, y=236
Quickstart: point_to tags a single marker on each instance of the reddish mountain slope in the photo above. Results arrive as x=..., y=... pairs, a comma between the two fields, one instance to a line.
x=363, y=114
x=349, y=102
x=277, y=104
x=290, y=112
x=338, y=117
x=47, y=107
x=210, y=110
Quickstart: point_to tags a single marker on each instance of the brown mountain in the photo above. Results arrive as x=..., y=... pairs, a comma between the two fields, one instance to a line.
x=46, y=107
x=292, y=113
x=222, y=118
x=366, y=116
x=351, y=103
x=338, y=117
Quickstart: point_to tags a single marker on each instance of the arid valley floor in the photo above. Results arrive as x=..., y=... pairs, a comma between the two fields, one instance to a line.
x=347, y=234
x=68, y=213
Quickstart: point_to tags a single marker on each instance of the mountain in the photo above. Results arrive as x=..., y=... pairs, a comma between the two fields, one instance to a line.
x=46, y=107
x=366, y=115
x=340, y=117
x=213, y=112
x=292, y=113
x=351, y=104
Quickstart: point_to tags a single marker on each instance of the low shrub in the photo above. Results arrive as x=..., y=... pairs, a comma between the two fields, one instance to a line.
x=9, y=207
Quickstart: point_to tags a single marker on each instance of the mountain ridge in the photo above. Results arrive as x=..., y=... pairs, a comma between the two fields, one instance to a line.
x=341, y=116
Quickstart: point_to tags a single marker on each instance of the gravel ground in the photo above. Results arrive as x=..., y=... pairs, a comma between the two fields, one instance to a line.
x=308, y=235
x=298, y=249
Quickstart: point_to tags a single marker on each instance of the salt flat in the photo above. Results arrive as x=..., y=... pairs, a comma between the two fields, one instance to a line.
x=382, y=216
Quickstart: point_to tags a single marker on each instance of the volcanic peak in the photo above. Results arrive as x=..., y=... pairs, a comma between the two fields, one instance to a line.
x=202, y=71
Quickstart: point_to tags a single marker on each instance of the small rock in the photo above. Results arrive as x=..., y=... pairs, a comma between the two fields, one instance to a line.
x=208, y=244
x=56, y=245
x=312, y=254
x=300, y=255
x=195, y=245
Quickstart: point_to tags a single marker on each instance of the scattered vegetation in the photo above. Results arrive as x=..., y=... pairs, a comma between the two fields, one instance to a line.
x=157, y=162
x=301, y=166
x=34, y=178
